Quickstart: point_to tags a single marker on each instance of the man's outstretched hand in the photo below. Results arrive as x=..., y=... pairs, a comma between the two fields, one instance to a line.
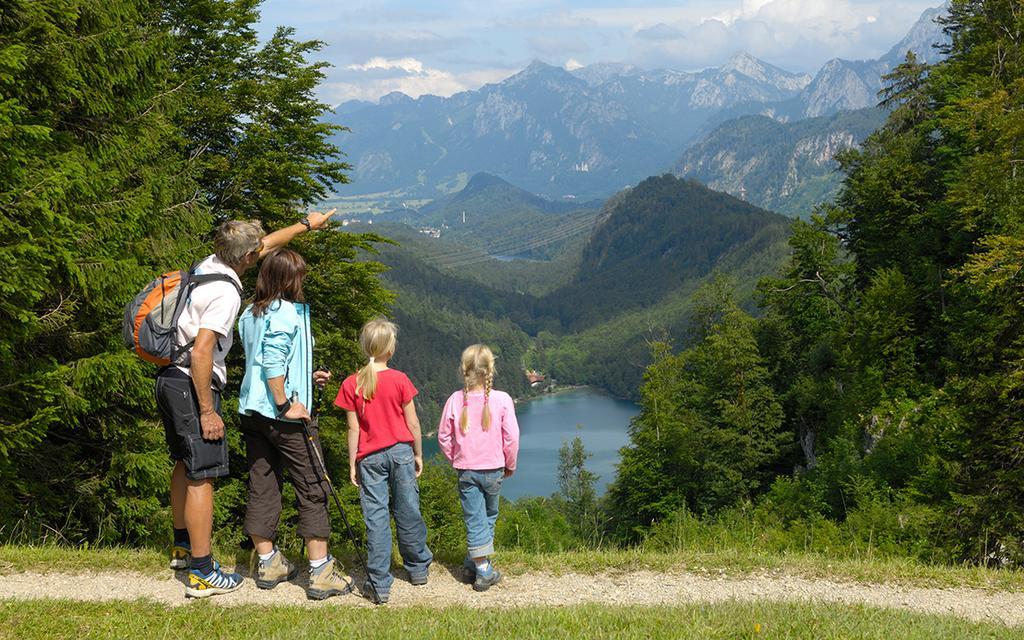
x=319, y=220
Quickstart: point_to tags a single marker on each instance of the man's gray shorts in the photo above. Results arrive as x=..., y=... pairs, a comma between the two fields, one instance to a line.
x=179, y=410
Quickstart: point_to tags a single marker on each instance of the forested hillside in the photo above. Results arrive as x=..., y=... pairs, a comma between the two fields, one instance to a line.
x=654, y=238
x=881, y=389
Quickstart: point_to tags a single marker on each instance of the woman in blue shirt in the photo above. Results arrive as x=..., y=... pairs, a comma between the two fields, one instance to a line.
x=276, y=391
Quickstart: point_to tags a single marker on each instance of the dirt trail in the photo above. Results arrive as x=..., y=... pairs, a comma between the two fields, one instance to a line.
x=536, y=589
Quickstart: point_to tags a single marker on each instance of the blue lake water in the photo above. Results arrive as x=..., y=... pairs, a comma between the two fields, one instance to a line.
x=548, y=421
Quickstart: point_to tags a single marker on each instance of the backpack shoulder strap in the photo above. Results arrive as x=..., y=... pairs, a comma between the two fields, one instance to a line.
x=198, y=279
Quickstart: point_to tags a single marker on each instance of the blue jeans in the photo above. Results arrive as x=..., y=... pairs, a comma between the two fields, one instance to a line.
x=389, y=477
x=478, y=492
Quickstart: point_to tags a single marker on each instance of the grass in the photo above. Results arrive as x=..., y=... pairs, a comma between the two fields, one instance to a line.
x=727, y=562
x=64, y=619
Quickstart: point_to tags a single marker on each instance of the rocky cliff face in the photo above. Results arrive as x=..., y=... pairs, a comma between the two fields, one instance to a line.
x=785, y=167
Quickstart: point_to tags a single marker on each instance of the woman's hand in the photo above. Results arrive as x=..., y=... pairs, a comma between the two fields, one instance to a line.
x=509, y=472
x=318, y=220
x=418, y=461
x=353, y=476
x=296, y=412
x=320, y=378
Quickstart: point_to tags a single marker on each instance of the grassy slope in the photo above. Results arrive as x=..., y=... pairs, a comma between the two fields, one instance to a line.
x=50, y=619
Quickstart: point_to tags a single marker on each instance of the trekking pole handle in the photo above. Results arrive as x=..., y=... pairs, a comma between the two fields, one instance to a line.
x=318, y=393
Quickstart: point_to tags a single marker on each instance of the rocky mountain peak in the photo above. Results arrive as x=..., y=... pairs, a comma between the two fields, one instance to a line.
x=921, y=39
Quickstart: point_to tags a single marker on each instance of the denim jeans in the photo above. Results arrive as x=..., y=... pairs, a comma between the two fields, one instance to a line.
x=389, y=477
x=478, y=492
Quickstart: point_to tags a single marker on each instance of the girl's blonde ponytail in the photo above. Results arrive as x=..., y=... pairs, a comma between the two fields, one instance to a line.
x=377, y=339
x=477, y=370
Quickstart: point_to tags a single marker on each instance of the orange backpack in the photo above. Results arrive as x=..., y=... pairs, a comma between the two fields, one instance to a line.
x=150, y=323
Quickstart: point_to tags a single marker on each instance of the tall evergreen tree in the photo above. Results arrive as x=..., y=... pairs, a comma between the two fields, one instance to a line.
x=129, y=131
x=709, y=429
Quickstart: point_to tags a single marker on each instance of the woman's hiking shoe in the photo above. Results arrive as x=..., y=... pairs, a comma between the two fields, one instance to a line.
x=275, y=570
x=486, y=579
x=181, y=557
x=326, y=581
x=211, y=584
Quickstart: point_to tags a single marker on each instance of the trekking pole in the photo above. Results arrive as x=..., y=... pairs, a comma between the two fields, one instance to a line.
x=312, y=444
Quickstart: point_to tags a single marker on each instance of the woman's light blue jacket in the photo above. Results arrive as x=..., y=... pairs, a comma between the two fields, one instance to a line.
x=277, y=343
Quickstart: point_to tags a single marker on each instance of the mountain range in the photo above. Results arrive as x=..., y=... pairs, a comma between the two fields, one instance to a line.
x=594, y=130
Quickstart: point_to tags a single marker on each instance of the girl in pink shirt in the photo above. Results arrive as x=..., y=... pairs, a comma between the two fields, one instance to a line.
x=480, y=437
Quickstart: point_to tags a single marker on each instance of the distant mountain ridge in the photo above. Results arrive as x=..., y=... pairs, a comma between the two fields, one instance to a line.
x=592, y=131
x=848, y=85
x=546, y=129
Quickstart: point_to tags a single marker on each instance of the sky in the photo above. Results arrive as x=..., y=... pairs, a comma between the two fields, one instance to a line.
x=446, y=46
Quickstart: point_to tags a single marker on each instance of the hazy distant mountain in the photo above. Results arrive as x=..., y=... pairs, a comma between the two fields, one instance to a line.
x=785, y=167
x=587, y=133
x=500, y=218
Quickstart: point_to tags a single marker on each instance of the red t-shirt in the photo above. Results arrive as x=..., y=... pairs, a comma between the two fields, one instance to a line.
x=381, y=420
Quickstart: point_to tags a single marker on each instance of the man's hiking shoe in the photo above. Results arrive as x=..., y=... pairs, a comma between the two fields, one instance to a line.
x=211, y=584
x=486, y=579
x=373, y=595
x=418, y=580
x=274, y=571
x=326, y=581
x=181, y=556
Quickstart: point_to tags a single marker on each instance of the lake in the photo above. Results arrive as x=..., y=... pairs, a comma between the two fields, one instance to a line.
x=548, y=421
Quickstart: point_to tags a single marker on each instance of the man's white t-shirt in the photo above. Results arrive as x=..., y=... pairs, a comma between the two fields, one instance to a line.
x=213, y=306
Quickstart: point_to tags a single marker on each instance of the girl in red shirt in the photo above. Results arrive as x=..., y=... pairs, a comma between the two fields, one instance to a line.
x=385, y=459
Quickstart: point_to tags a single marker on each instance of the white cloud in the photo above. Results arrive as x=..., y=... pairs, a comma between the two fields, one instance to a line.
x=379, y=76
x=796, y=34
x=573, y=64
x=409, y=65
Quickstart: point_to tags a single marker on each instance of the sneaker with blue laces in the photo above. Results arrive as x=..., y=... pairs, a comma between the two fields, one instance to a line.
x=486, y=578
x=181, y=556
x=211, y=584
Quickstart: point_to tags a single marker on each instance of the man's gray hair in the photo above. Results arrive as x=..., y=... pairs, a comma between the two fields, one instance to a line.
x=236, y=239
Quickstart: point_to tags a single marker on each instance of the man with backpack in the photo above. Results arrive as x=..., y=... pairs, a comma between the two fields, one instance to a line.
x=188, y=390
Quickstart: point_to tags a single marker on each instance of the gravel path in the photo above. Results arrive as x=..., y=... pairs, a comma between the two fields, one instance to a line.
x=535, y=589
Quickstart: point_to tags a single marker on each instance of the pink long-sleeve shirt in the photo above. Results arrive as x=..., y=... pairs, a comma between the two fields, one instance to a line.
x=496, y=448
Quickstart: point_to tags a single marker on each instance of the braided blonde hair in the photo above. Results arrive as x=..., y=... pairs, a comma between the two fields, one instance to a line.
x=477, y=370
x=377, y=339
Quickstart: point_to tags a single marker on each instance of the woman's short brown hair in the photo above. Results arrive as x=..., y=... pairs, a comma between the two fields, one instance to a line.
x=280, y=278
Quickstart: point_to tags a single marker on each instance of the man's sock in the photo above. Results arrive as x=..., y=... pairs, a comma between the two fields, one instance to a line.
x=203, y=564
x=316, y=564
x=483, y=567
x=181, y=538
x=267, y=556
